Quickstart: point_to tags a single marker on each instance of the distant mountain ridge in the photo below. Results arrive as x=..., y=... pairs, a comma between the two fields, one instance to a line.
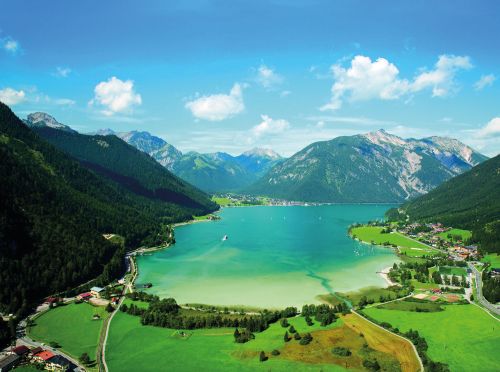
x=371, y=167
x=210, y=172
x=41, y=119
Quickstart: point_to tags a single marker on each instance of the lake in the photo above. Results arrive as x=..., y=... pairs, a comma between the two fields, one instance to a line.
x=273, y=257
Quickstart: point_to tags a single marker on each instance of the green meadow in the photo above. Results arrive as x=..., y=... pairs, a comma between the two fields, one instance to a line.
x=72, y=327
x=463, y=336
x=146, y=348
x=493, y=259
x=407, y=246
x=465, y=234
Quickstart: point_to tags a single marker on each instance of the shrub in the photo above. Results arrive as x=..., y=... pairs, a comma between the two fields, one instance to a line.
x=341, y=351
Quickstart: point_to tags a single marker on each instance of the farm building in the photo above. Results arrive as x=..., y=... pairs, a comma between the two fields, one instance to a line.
x=96, y=291
x=84, y=296
x=9, y=362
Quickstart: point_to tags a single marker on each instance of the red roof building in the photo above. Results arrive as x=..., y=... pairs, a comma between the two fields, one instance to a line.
x=21, y=350
x=45, y=355
x=84, y=296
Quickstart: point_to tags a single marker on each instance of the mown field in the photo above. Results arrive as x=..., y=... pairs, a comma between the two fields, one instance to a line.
x=132, y=346
x=407, y=246
x=465, y=234
x=493, y=259
x=72, y=327
x=463, y=336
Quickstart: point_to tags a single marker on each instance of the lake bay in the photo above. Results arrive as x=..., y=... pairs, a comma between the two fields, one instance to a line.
x=273, y=257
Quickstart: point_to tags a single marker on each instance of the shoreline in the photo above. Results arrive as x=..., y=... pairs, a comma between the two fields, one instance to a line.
x=385, y=275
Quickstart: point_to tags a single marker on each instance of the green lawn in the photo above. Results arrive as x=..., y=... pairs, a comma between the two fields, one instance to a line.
x=72, y=327
x=493, y=259
x=223, y=202
x=407, y=246
x=465, y=234
x=447, y=270
x=132, y=346
x=463, y=336
x=374, y=234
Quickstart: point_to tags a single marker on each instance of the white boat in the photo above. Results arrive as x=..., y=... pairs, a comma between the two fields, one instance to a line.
x=224, y=238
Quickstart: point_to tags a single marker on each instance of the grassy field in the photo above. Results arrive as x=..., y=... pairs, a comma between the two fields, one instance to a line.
x=493, y=259
x=215, y=349
x=411, y=306
x=72, y=327
x=407, y=246
x=463, y=336
x=385, y=342
x=371, y=293
x=465, y=234
x=447, y=270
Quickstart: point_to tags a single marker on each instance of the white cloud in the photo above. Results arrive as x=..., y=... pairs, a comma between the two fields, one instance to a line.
x=442, y=78
x=268, y=78
x=115, y=96
x=365, y=79
x=9, y=45
x=491, y=129
x=270, y=126
x=64, y=102
x=285, y=93
x=62, y=72
x=12, y=97
x=485, y=81
x=218, y=107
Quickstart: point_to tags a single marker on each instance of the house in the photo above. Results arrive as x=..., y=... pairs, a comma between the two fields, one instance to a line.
x=44, y=355
x=495, y=271
x=9, y=362
x=52, y=300
x=84, y=296
x=20, y=350
x=59, y=363
x=36, y=350
x=96, y=291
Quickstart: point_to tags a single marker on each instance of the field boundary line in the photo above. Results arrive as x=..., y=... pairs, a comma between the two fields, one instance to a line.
x=392, y=333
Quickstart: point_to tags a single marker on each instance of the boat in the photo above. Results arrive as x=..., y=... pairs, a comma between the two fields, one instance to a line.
x=224, y=238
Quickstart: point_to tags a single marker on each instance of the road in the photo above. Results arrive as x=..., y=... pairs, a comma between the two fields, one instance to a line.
x=101, y=353
x=479, y=291
x=31, y=343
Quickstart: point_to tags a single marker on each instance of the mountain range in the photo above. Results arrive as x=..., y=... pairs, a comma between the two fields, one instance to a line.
x=210, y=172
x=371, y=167
x=364, y=168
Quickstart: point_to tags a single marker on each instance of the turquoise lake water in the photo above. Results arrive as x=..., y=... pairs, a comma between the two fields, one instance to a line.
x=273, y=257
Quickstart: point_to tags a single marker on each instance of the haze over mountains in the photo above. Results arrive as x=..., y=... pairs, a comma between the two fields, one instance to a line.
x=370, y=167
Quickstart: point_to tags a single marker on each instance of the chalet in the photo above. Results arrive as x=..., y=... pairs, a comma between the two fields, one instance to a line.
x=20, y=350
x=84, y=296
x=43, y=356
x=36, y=350
x=9, y=362
x=52, y=300
x=59, y=363
x=96, y=291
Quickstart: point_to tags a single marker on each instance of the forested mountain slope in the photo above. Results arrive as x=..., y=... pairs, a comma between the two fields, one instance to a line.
x=470, y=201
x=53, y=212
x=129, y=167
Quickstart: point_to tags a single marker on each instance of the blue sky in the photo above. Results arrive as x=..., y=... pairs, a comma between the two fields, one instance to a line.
x=231, y=75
